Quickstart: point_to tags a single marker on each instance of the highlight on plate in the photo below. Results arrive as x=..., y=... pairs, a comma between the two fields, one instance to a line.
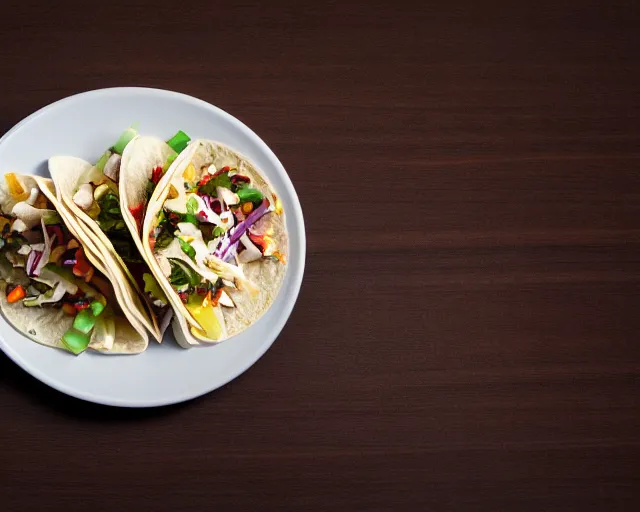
x=104, y=254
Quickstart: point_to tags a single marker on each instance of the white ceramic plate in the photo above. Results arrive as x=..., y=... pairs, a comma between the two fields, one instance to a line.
x=84, y=125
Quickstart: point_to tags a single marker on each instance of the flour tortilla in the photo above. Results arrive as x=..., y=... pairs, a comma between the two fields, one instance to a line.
x=66, y=172
x=268, y=275
x=94, y=255
x=140, y=157
x=46, y=325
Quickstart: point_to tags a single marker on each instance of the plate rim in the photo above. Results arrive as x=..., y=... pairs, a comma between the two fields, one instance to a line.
x=289, y=300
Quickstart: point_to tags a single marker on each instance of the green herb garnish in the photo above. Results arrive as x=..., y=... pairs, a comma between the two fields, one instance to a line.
x=182, y=274
x=249, y=195
x=221, y=180
x=187, y=248
x=192, y=205
x=164, y=238
x=110, y=217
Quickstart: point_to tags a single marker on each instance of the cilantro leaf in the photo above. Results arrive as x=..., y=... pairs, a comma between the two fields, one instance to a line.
x=182, y=274
x=164, y=239
x=191, y=218
x=110, y=217
x=249, y=195
x=221, y=180
x=192, y=205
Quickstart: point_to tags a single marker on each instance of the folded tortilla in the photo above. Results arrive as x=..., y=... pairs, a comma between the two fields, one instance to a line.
x=140, y=156
x=116, y=331
x=251, y=281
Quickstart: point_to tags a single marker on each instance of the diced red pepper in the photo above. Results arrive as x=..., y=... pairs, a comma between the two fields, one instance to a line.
x=224, y=169
x=205, y=179
x=84, y=304
x=216, y=298
x=82, y=268
x=16, y=294
x=137, y=213
x=184, y=296
x=173, y=218
x=156, y=174
x=263, y=242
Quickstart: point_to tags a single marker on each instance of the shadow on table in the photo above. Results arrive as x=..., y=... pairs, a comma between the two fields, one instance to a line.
x=15, y=379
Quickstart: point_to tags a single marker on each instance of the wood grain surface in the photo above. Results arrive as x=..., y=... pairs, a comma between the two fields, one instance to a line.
x=466, y=337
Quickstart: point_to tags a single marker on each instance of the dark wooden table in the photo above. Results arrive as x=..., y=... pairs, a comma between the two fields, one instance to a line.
x=467, y=335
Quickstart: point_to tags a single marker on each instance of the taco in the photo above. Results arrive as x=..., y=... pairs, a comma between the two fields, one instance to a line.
x=54, y=287
x=215, y=237
x=99, y=197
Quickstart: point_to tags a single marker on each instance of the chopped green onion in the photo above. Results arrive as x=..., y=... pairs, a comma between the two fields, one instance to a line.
x=84, y=321
x=75, y=341
x=97, y=308
x=179, y=141
x=103, y=160
x=168, y=163
x=124, y=139
x=187, y=249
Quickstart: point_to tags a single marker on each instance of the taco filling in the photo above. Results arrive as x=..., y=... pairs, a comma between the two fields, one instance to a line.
x=97, y=193
x=42, y=266
x=213, y=225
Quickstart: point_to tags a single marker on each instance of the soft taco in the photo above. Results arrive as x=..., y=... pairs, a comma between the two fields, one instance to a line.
x=215, y=237
x=109, y=199
x=54, y=287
